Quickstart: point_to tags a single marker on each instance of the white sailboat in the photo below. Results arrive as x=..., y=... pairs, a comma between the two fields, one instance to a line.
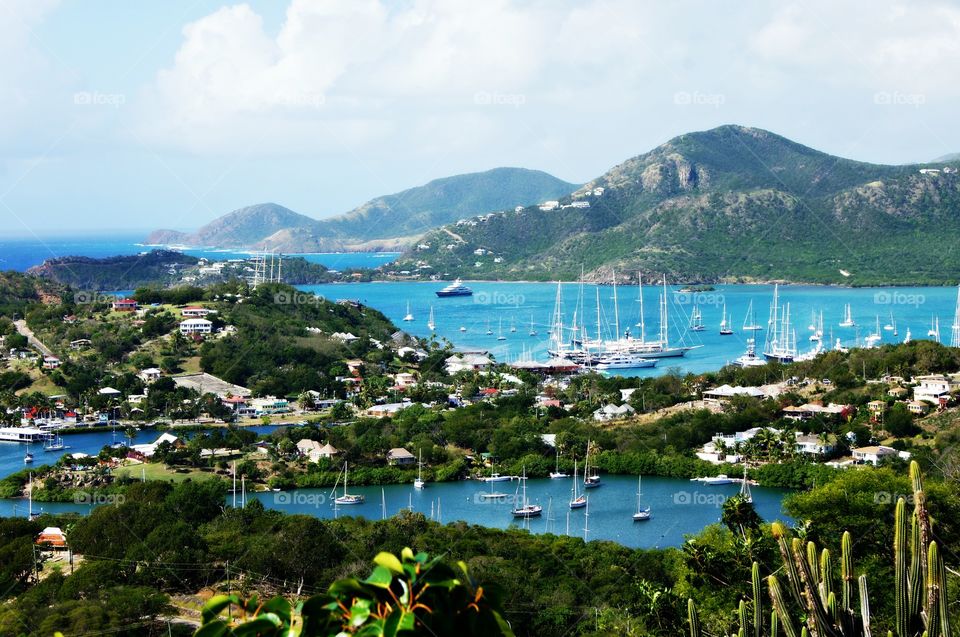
x=817, y=335
x=745, y=486
x=591, y=480
x=781, y=341
x=526, y=510
x=696, y=320
x=847, y=317
x=891, y=326
x=409, y=315
x=907, y=337
x=641, y=514
x=500, y=336
x=419, y=483
x=955, y=328
x=872, y=340
x=556, y=473
x=577, y=499
x=430, y=322
x=347, y=498
x=55, y=445
x=725, y=323
x=533, y=330
x=750, y=321
x=513, y=328
x=489, y=331
x=934, y=331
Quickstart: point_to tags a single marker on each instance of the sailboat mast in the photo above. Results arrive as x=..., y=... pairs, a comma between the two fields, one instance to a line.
x=664, y=328
x=616, y=307
x=643, y=328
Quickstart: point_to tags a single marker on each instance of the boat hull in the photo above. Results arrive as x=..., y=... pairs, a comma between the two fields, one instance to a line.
x=443, y=294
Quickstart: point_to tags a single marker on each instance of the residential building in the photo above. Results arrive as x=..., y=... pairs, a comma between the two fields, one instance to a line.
x=918, y=407
x=934, y=389
x=195, y=311
x=196, y=326
x=613, y=412
x=149, y=374
x=400, y=456
x=812, y=444
x=125, y=305
x=875, y=454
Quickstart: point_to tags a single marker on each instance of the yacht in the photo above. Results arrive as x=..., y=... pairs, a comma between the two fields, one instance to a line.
x=27, y=458
x=749, y=321
x=409, y=315
x=577, y=499
x=613, y=360
x=696, y=320
x=725, y=328
x=455, y=289
x=641, y=514
x=496, y=477
x=716, y=481
x=556, y=473
x=431, y=324
x=750, y=358
x=591, y=480
x=781, y=341
x=55, y=445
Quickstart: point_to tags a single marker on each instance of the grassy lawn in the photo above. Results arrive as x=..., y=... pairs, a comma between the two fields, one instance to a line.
x=190, y=365
x=158, y=471
x=41, y=383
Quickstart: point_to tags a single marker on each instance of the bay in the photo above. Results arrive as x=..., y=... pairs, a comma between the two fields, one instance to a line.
x=498, y=307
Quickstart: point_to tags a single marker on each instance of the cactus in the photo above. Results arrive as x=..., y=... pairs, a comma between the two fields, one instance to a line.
x=920, y=584
x=693, y=619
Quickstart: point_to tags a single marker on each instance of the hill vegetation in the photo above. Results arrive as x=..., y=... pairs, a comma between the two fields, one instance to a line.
x=728, y=204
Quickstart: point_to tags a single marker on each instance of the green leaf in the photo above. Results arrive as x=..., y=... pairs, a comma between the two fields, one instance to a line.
x=381, y=577
x=216, y=604
x=265, y=624
x=389, y=561
x=215, y=628
x=406, y=554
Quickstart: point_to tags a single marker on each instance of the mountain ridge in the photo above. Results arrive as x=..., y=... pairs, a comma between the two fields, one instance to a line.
x=387, y=222
x=730, y=203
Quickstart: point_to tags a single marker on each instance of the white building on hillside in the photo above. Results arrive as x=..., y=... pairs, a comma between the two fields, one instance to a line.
x=196, y=326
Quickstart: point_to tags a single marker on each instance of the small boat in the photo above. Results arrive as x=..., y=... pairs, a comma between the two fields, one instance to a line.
x=496, y=477
x=430, y=322
x=494, y=495
x=716, y=480
x=463, y=328
x=934, y=331
x=577, y=500
x=455, y=289
x=500, y=336
x=409, y=315
x=27, y=458
x=873, y=339
x=725, y=328
x=817, y=330
x=892, y=325
x=556, y=473
x=347, y=498
x=419, y=483
x=526, y=510
x=513, y=328
x=641, y=514
x=533, y=331
x=847, y=317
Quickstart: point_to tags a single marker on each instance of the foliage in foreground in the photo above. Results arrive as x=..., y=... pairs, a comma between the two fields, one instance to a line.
x=809, y=597
x=410, y=595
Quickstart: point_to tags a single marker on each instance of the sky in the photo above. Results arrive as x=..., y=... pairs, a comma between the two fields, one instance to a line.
x=121, y=116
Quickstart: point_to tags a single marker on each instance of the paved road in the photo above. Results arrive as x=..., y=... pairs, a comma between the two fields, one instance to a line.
x=21, y=326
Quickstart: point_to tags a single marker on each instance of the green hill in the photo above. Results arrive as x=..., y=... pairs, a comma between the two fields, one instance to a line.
x=732, y=203
x=386, y=222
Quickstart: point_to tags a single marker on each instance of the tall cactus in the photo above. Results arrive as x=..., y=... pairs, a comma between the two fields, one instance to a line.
x=693, y=619
x=920, y=584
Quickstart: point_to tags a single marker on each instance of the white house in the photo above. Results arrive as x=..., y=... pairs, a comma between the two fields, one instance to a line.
x=547, y=206
x=149, y=374
x=195, y=311
x=196, y=326
x=149, y=449
x=400, y=456
x=269, y=405
x=811, y=444
x=613, y=412
x=875, y=454
x=932, y=388
x=315, y=451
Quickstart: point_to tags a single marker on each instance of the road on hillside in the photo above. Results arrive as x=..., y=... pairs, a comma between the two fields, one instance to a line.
x=32, y=339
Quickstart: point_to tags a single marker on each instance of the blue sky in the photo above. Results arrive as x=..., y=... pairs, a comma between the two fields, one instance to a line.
x=136, y=115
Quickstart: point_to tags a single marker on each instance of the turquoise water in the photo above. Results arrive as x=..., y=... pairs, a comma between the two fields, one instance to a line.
x=23, y=253
x=498, y=306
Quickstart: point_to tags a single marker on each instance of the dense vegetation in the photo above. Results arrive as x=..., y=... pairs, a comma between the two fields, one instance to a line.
x=116, y=273
x=731, y=203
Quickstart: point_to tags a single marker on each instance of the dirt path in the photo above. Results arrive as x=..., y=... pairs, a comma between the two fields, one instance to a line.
x=21, y=326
